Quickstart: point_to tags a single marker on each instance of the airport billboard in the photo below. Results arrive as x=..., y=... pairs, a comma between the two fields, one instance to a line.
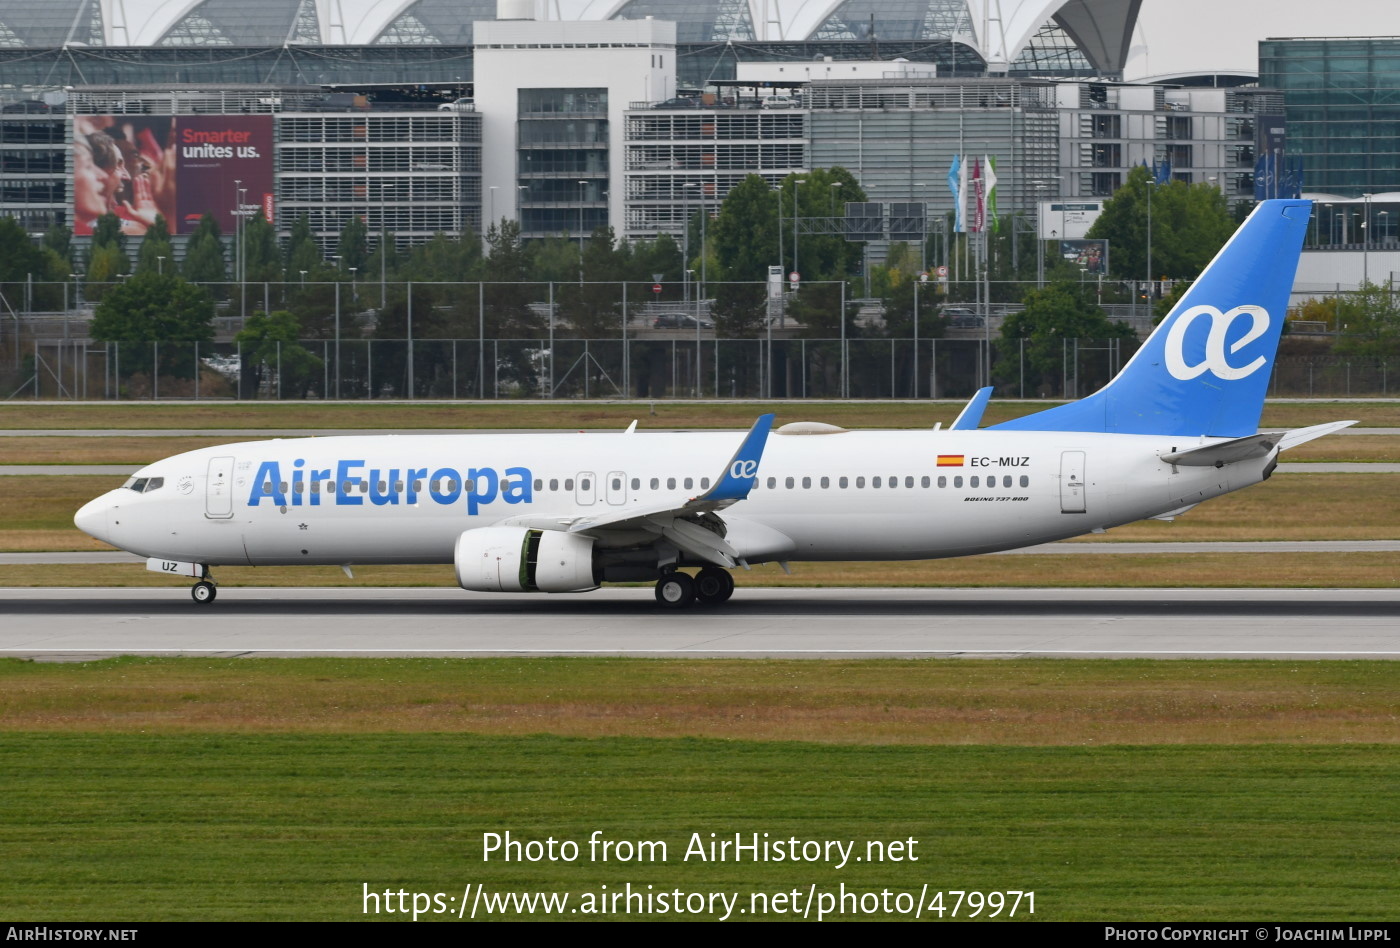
x=180, y=167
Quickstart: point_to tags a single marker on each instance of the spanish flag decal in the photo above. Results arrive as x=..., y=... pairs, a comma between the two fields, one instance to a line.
x=950, y=460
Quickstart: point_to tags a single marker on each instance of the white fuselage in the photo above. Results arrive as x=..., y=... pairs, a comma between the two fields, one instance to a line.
x=854, y=495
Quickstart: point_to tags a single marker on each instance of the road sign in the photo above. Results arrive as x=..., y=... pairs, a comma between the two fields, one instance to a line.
x=656, y=287
x=943, y=272
x=794, y=276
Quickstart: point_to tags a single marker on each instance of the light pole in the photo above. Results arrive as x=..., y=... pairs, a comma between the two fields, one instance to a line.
x=242, y=254
x=354, y=289
x=1148, y=287
x=492, y=197
x=690, y=275
x=796, y=212
x=160, y=266
x=1366, y=239
x=582, y=194
x=303, y=279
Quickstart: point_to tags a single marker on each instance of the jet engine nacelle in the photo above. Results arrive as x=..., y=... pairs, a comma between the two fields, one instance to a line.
x=516, y=559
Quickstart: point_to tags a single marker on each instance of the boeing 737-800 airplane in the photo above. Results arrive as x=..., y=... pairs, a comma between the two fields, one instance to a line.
x=566, y=512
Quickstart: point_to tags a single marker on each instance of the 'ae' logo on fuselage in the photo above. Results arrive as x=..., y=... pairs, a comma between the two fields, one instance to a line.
x=1216, y=360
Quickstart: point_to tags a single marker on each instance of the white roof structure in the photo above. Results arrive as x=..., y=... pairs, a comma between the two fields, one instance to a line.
x=999, y=30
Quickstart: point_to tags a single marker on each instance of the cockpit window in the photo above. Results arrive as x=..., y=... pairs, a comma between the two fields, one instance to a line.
x=155, y=483
x=137, y=484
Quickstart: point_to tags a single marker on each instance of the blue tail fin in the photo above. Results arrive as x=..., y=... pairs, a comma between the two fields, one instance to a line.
x=1206, y=368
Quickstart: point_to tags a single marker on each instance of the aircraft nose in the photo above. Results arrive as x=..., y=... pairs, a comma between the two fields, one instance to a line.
x=91, y=518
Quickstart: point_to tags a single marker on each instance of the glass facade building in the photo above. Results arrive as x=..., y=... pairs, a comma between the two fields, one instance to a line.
x=1342, y=103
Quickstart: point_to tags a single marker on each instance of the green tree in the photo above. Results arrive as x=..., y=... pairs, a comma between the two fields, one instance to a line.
x=303, y=253
x=594, y=307
x=156, y=245
x=204, y=256
x=262, y=259
x=161, y=308
x=1190, y=222
x=353, y=245
x=1369, y=321
x=107, y=257
x=271, y=351
x=1060, y=312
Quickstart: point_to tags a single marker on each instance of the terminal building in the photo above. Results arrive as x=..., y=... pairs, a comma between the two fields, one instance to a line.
x=440, y=115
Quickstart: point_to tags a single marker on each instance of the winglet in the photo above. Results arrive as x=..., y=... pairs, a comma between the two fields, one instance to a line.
x=741, y=473
x=971, y=415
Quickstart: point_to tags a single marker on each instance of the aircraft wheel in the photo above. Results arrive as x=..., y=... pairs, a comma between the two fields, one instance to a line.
x=713, y=586
x=203, y=591
x=675, y=590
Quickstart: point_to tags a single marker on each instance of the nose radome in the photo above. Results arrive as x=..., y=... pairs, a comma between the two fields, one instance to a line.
x=91, y=518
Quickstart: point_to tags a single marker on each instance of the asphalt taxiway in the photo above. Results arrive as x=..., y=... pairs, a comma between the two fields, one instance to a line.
x=80, y=624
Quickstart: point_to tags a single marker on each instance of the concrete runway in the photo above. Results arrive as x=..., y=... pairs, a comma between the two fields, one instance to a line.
x=81, y=624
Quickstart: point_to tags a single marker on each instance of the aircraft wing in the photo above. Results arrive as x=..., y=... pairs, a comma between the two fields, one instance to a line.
x=691, y=524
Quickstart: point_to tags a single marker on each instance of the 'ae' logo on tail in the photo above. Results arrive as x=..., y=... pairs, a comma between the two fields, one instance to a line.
x=1216, y=360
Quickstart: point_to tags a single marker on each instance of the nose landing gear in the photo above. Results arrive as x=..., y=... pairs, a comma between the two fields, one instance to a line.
x=204, y=591
x=710, y=587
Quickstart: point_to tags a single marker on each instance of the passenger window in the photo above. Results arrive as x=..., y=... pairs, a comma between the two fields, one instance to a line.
x=860, y=482
x=398, y=486
x=670, y=483
x=636, y=483
x=554, y=483
x=826, y=482
x=772, y=483
x=382, y=487
x=909, y=482
x=894, y=482
x=585, y=484
x=957, y=481
x=417, y=487
x=617, y=483
x=1025, y=481
x=539, y=484
x=1006, y=481
x=874, y=482
x=345, y=488
x=806, y=483
x=315, y=487
x=689, y=483
x=972, y=481
x=924, y=481
x=468, y=486
x=656, y=483
x=704, y=483
x=991, y=481
x=942, y=480
x=844, y=482
x=299, y=487
x=789, y=483
x=568, y=483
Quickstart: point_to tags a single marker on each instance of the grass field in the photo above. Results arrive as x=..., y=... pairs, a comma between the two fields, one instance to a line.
x=596, y=414
x=1130, y=790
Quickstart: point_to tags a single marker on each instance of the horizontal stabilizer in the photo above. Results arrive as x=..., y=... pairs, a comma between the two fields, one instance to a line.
x=971, y=415
x=1225, y=452
x=1291, y=439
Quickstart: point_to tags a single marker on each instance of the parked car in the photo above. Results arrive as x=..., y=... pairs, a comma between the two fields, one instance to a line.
x=27, y=105
x=779, y=102
x=464, y=104
x=680, y=321
x=681, y=102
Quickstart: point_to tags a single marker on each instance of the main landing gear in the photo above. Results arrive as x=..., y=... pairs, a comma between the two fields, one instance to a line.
x=204, y=591
x=710, y=587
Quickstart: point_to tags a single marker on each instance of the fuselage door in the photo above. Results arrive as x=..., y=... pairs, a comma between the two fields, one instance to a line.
x=218, y=496
x=617, y=488
x=1072, y=487
x=586, y=488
